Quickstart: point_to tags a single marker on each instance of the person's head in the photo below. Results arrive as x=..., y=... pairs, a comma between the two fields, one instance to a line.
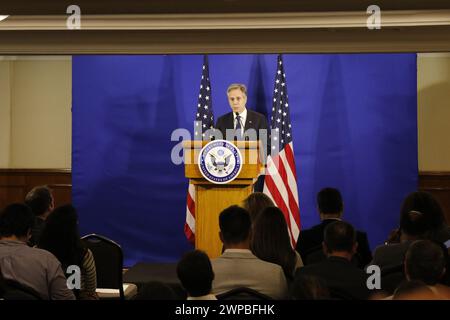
x=329, y=202
x=60, y=235
x=426, y=204
x=235, y=225
x=271, y=241
x=16, y=220
x=40, y=200
x=195, y=273
x=237, y=97
x=256, y=202
x=309, y=287
x=339, y=239
x=425, y=261
x=414, y=225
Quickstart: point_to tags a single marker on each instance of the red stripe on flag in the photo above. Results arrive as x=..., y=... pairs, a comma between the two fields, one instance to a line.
x=278, y=199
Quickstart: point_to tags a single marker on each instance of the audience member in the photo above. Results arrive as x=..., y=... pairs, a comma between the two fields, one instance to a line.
x=413, y=226
x=61, y=237
x=238, y=266
x=425, y=261
x=271, y=241
x=255, y=203
x=196, y=275
x=32, y=267
x=426, y=204
x=344, y=280
x=41, y=202
x=330, y=207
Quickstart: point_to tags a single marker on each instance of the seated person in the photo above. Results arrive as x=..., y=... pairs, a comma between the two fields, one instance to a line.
x=271, y=241
x=61, y=237
x=35, y=268
x=344, y=280
x=330, y=207
x=238, y=266
x=41, y=202
x=196, y=275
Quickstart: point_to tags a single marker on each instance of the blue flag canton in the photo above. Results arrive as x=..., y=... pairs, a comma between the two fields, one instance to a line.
x=204, y=107
x=280, y=119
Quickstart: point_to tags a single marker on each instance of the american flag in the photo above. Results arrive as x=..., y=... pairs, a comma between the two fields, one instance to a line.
x=280, y=182
x=204, y=121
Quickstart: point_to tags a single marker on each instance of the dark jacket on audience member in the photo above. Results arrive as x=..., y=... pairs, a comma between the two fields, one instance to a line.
x=311, y=239
x=343, y=279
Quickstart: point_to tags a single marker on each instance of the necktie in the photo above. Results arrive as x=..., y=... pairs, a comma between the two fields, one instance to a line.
x=238, y=127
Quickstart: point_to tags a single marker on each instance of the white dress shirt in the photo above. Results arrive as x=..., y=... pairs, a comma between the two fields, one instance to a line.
x=243, y=116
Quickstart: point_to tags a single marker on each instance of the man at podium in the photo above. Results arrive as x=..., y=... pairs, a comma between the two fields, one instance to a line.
x=243, y=124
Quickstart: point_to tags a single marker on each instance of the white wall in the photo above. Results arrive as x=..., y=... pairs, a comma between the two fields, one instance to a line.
x=41, y=120
x=433, y=114
x=5, y=113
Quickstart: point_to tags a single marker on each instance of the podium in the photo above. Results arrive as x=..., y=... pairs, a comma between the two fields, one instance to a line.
x=211, y=198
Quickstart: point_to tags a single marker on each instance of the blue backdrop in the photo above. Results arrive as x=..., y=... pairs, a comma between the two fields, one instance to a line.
x=354, y=119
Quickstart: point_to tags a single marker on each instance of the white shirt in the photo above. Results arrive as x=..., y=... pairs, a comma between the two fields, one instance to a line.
x=243, y=116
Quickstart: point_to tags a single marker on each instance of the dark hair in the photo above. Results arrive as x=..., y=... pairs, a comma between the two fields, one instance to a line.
x=329, y=200
x=256, y=202
x=271, y=242
x=339, y=236
x=414, y=223
x=425, y=261
x=309, y=287
x=16, y=219
x=195, y=273
x=61, y=237
x=234, y=224
x=426, y=204
x=39, y=199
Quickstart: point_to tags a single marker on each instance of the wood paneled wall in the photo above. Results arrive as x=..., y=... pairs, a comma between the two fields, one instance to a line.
x=16, y=183
x=438, y=184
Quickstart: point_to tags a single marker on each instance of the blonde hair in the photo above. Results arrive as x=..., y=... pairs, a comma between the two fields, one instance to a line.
x=238, y=86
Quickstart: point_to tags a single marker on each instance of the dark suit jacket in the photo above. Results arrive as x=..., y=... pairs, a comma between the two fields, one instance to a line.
x=311, y=240
x=254, y=120
x=344, y=280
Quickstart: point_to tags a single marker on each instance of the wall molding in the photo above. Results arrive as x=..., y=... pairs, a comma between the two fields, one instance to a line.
x=230, y=21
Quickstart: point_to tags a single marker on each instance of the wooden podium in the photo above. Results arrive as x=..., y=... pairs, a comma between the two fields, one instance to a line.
x=211, y=198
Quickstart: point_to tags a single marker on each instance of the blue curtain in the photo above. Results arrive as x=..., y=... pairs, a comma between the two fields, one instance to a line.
x=354, y=119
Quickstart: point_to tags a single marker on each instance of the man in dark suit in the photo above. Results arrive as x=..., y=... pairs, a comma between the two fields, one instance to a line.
x=241, y=123
x=330, y=206
x=343, y=279
x=244, y=124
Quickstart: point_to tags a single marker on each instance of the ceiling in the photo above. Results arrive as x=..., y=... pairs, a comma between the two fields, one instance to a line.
x=57, y=7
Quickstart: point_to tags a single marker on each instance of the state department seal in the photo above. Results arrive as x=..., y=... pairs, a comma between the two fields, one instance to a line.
x=220, y=161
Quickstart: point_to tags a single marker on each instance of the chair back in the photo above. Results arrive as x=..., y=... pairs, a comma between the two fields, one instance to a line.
x=17, y=291
x=243, y=293
x=108, y=258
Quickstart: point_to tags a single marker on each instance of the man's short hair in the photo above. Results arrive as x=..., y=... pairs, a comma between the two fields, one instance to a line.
x=39, y=199
x=329, y=200
x=339, y=236
x=16, y=220
x=195, y=273
x=238, y=86
x=234, y=224
x=425, y=261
